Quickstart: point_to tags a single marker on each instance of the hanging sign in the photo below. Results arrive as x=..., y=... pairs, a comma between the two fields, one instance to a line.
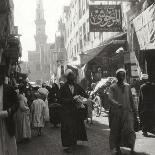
x=105, y=18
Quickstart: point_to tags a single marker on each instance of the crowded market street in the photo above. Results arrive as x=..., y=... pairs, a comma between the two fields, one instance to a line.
x=77, y=77
x=98, y=143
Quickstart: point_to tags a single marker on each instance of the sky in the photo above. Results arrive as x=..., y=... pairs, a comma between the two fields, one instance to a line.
x=24, y=16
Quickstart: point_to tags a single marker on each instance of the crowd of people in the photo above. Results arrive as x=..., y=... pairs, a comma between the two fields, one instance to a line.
x=24, y=109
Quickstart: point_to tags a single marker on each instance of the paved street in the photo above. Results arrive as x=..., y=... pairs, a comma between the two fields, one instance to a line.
x=50, y=142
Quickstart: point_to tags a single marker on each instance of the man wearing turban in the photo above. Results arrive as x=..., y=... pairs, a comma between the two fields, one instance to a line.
x=121, y=115
x=72, y=126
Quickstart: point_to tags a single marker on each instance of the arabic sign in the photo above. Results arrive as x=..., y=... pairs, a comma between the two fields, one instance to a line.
x=105, y=18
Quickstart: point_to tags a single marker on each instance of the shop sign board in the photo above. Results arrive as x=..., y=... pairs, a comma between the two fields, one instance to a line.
x=105, y=18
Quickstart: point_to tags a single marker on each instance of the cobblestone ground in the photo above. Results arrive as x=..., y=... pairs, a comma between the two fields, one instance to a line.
x=50, y=142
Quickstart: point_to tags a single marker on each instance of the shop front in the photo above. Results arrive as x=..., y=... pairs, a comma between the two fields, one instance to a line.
x=144, y=26
x=103, y=61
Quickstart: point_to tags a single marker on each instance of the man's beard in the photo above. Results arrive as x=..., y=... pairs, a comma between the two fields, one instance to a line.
x=70, y=81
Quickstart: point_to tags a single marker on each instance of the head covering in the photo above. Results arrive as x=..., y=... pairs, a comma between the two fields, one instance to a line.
x=43, y=91
x=120, y=70
x=61, y=82
x=144, y=77
x=68, y=71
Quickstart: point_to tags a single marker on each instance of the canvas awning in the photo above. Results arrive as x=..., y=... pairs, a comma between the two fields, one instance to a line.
x=144, y=25
x=116, y=41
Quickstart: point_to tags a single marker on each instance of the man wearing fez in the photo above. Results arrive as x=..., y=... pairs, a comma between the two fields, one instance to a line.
x=8, y=106
x=72, y=126
x=121, y=115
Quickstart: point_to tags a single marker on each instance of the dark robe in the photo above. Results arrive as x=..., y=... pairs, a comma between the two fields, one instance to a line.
x=72, y=127
x=147, y=106
x=54, y=108
x=10, y=103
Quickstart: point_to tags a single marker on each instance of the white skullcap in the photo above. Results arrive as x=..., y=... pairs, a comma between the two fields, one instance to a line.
x=120, y=70
x=68, y=71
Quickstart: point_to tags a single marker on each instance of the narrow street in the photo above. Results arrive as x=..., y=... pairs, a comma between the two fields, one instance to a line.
x=50, y=142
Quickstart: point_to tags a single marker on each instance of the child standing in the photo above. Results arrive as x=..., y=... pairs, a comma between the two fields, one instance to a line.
x=38, y=113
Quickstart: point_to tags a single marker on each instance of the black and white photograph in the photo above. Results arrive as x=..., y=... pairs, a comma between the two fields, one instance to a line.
x=77, y=77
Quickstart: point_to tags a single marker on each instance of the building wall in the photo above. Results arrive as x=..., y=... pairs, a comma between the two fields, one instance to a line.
x=78, y=38
x=34, y=66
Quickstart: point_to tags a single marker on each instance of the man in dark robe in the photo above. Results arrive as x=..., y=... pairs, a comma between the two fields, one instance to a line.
x=72, y=126
x=147, y=107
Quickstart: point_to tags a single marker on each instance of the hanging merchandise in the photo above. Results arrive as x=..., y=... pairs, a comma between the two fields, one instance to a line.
x=13, y=50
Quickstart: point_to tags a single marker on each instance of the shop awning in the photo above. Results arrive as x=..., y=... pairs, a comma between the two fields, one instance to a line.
x=144, y=25
x=92, y=53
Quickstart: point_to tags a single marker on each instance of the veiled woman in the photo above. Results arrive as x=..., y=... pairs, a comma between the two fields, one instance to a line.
x=72, y=126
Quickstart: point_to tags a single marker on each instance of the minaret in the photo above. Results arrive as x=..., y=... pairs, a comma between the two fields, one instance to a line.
x=40, y=37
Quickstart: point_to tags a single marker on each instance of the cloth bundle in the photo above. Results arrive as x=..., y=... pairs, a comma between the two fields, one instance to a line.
x=81, y=107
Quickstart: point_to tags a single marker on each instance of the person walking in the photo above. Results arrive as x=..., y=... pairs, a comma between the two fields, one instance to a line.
x=146, y=106
x=8, y=106
x=72, y=125
x=121, y=115
x=23, y=127
x=54, y=107
x=44, y=96
x=38, y=113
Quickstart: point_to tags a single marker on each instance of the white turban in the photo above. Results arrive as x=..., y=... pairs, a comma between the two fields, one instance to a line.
x=43, y=91
x=121, y=70
x=68, y=71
